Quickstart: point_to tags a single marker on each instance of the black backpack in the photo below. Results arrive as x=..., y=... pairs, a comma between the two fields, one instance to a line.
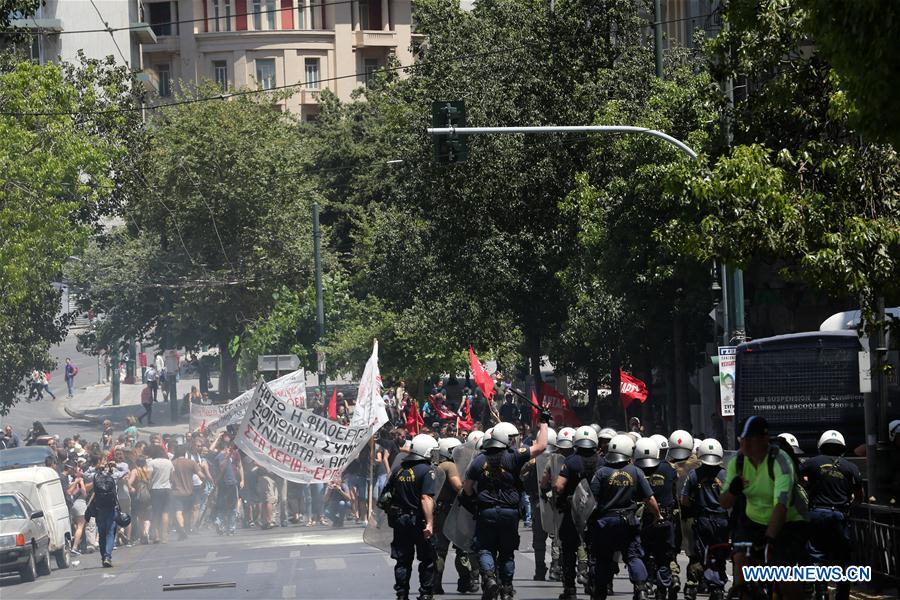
x=105, y=495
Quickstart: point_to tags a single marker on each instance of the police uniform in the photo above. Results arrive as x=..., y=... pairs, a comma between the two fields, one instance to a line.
x=531, y=484
x=617, y=490
x=575, y=468
x=703, y=486
x=658, y=539
x=410, y=481
x=832, y=481
x=443, y=502
x=498, y=490
x=684, y=524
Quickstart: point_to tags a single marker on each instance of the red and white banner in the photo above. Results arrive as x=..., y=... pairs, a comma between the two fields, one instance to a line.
x=370, y=410
x=482, y=379
x=290, y=388
x=631, y=389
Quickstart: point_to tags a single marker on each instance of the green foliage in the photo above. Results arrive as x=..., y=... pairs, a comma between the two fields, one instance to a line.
x=57, y=172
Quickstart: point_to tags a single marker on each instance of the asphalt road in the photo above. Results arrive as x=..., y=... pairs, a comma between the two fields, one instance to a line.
x=49, y=411
x=297, y=562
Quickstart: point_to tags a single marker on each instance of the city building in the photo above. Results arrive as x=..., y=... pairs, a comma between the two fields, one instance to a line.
x=60, y=28
x=316, y=44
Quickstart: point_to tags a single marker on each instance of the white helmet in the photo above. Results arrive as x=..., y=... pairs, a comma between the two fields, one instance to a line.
x=596, y=428
x=551, y=439
x=586, y=437
x=791, y=439
x=607, y=433
x=620, y=449
x=646, y=452
x=446, y=446
x=681, y=444
x=473, y=440
x=831, y=436
x=662, y=442
x=710, y=452
x=634, y=435
x=422, y=445
x=502, y=435
x=565, y=438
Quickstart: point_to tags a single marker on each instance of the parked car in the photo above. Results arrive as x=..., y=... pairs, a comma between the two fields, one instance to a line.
x=43, y=489
x=24, y=540
x=24, y=456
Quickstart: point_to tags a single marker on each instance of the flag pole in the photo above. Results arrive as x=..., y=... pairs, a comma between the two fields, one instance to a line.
x=371, y=474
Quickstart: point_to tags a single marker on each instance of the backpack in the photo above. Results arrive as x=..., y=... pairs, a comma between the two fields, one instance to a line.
x=142, y=491
x=105, y=495
x=799, y=498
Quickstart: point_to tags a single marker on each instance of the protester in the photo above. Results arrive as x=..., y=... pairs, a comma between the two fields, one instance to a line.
x=147, y=400
x=70, y=372
x=184, y=470
x=161, y=469
x=229, y=480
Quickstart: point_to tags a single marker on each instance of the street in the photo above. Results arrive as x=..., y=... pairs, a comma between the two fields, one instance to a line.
x=297, y=562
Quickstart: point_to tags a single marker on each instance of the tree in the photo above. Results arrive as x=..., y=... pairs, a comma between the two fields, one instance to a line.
x=224, y=223
x=60, y=156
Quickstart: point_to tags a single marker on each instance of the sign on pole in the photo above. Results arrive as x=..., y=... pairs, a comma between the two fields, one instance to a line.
x=277, y=362
x=727, y=361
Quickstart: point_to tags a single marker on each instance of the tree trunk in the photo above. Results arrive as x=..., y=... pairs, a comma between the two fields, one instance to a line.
x=228, y=377
x=614, y=410
x=682, y=408
x=592, y=382
x=533, y=339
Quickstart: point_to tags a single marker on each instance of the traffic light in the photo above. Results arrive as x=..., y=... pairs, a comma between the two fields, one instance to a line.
x=449, y=148
x=714, y=359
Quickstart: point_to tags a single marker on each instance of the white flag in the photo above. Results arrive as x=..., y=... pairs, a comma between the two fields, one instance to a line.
x=370, y=411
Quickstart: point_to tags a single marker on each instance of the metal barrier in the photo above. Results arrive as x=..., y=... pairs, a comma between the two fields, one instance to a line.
x=876, y=542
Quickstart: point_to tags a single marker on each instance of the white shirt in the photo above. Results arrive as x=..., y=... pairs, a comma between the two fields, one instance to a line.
x=160, y=365
x=160, y=473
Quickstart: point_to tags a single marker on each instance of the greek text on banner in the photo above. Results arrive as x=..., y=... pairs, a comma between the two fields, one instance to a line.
x=295, y=443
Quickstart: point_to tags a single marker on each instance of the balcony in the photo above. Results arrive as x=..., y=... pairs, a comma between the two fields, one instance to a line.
x=143, y=33
x=374, y=39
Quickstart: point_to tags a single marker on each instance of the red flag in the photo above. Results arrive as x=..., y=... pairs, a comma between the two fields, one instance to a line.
x=442, y=412
x=414, y=420
x=558, y=406
x=553, y=397
x=464, y=420
x=631, y=389
x=332, y=405
x=482, y=379
x=535, y=413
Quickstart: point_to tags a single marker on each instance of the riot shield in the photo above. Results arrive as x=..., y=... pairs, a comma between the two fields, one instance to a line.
x=459, y=527
x=440, y=476
x=462, y=458
x=378, y=533
x=583, y=505
x=551, y=518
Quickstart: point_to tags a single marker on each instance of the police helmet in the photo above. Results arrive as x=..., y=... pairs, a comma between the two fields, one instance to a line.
x=422, y=446
x=596, y=428
x=634, y=435
x=551, y=439
x=586, y=437
x=662, y=442
x=681, y=444
x=620, y=449
x=565, y=438
x=607, y=433
x=791, y=439
x=832, y=436
x=646, y=453
x=474, y=439
x=710, y=452
x=446, y=446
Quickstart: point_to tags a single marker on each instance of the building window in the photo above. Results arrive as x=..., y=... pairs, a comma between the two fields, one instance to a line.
x=257, y=15
x=270, y=15
x=220, y=71
x=317, y=20
x=265, y=73
x=301, y=14
x=364, y=14
x=370, y=68
x=221, y=10
x=227, y=15
x=312, y=73
x=165, y=80
x=160, y=17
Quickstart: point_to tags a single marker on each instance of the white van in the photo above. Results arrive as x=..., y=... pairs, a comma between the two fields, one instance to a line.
x=42, y=487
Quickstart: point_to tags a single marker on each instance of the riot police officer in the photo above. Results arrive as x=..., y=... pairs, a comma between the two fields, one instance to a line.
x=834, y=486
x=492, y=481
x=444, y=500
x=580, y=465
x=565, y=446
x=529, y=475
x=618, y=487
x=700, y=502
x=658, y=539
x=412, y=519
x=681, y=456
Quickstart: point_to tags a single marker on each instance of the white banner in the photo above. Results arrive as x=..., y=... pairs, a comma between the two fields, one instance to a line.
x=295, y=443
x=369, y=410
x=290, y=388
x=204, y=414
x=727, y=361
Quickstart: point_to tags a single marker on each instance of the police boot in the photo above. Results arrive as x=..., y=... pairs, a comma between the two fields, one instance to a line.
x=662, y=593
x=507, y=593
x=402, y=595
x=474, y=586
x=489, y=587
x=716, y=594
x=690, y=590
x=569, y=593
x=582, y=572
x=423, y=596
x=640, y=591
x=673, y=589
x=540, y=572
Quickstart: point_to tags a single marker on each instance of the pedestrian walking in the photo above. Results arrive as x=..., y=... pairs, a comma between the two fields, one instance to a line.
x=139, y=487
x=185, y=469
x=71, y=372
x=229, y=480
x=152, y=378
x=45, y=384
x=103, y=507
x=147, y=403
x=160, y=490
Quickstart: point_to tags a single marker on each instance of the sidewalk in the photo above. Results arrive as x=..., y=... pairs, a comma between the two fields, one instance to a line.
x=94, y=403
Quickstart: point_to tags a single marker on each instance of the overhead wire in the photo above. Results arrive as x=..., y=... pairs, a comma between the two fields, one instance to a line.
x=111, y=34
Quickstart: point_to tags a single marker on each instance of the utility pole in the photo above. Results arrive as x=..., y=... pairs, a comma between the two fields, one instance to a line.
x=657, y=37
x=320, y=302
x=114, y=373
